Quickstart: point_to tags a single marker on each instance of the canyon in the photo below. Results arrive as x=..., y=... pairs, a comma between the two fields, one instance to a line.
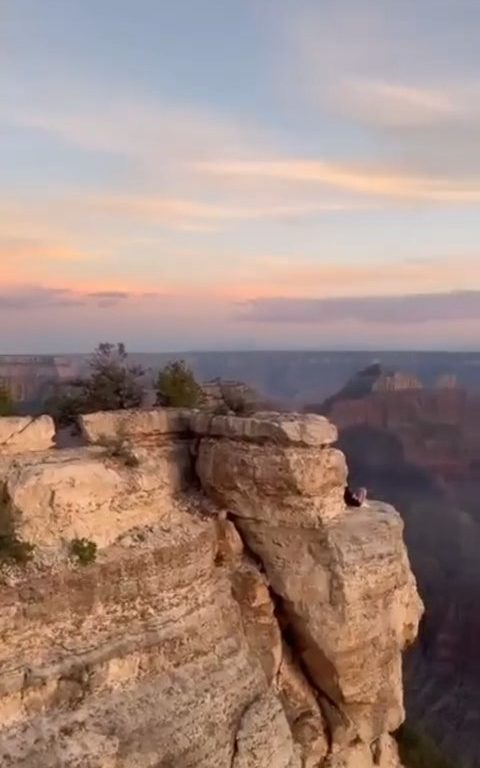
x=288, y=378
x=231, y=612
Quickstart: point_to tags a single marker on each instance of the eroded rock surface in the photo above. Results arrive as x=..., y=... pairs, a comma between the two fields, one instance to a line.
x=19, y=434
x=236, y=615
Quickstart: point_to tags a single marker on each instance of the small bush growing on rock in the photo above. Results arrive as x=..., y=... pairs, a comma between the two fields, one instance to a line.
x=118, y=448
x=83, y=551
x=13, y=550
x=177, y=387
x=417, y=750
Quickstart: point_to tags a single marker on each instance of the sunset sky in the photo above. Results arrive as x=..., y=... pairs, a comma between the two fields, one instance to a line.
x=235, y=174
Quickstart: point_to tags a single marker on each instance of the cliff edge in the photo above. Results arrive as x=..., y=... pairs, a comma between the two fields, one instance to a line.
x=227, y=611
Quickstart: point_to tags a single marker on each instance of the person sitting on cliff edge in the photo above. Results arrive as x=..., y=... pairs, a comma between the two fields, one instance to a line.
x=355, y=498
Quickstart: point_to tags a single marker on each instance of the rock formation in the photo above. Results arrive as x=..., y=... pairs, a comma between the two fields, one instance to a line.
x=374, y=379
x=233, y=614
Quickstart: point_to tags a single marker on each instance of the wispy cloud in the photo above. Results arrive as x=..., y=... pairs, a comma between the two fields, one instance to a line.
x=384, y=310
x=38, y=297
x=184, y=213
x=410, y=88
x=25, y=249
x=296, y=277
x=239, y=279
x=41, y=297
x=403, y=105
x=363, y=181
x=151, y=133
x=109, y=295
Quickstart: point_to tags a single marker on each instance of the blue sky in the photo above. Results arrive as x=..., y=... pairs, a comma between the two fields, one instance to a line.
x=171, y=171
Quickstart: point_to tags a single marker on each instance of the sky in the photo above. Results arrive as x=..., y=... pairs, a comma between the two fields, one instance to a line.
x=239, y=174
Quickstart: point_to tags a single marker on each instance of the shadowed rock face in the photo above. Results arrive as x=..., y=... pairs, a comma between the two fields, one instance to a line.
x=236, y=614
x=439, y=430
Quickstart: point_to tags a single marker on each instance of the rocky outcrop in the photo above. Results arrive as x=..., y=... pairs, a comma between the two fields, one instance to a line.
x=374, y=379
x=25, y=433
x=233, y=614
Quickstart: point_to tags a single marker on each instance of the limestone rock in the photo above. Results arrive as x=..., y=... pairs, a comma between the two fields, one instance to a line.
x=280, y=428
x=250, y=590
x=230, y=544
x=264, y=739
x=22, y=434
x=289, y=485
x=236, y=618
x=352, y=604
x=303, y=711
x=381, y=754
x=134, y=425
x=385, y=752
x=342, y=576
x=140, y=658
x=357, y=755
x=82, y=493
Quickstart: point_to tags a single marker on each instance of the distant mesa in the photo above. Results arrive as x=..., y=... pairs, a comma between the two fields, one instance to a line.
x=437, y=426
x=374, y=379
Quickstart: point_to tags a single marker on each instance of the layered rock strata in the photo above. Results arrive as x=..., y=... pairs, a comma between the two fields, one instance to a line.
x=233, y=615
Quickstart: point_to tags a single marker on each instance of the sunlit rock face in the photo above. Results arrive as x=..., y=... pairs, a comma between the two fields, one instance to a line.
x=19, y=434
x=234, y=614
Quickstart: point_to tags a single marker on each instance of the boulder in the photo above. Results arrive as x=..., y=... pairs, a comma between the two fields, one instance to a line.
x=279, y=484
x=267, y=426
x=134, y=425
x=23, y=434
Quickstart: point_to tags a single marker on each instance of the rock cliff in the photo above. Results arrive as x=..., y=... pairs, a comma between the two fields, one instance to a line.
x=233, y=615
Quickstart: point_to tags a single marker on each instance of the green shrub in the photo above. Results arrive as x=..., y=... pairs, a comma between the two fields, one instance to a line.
x=83, y=551
x=418, y=750
x=13, y=550
x=112, y=384
x=177, y=387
